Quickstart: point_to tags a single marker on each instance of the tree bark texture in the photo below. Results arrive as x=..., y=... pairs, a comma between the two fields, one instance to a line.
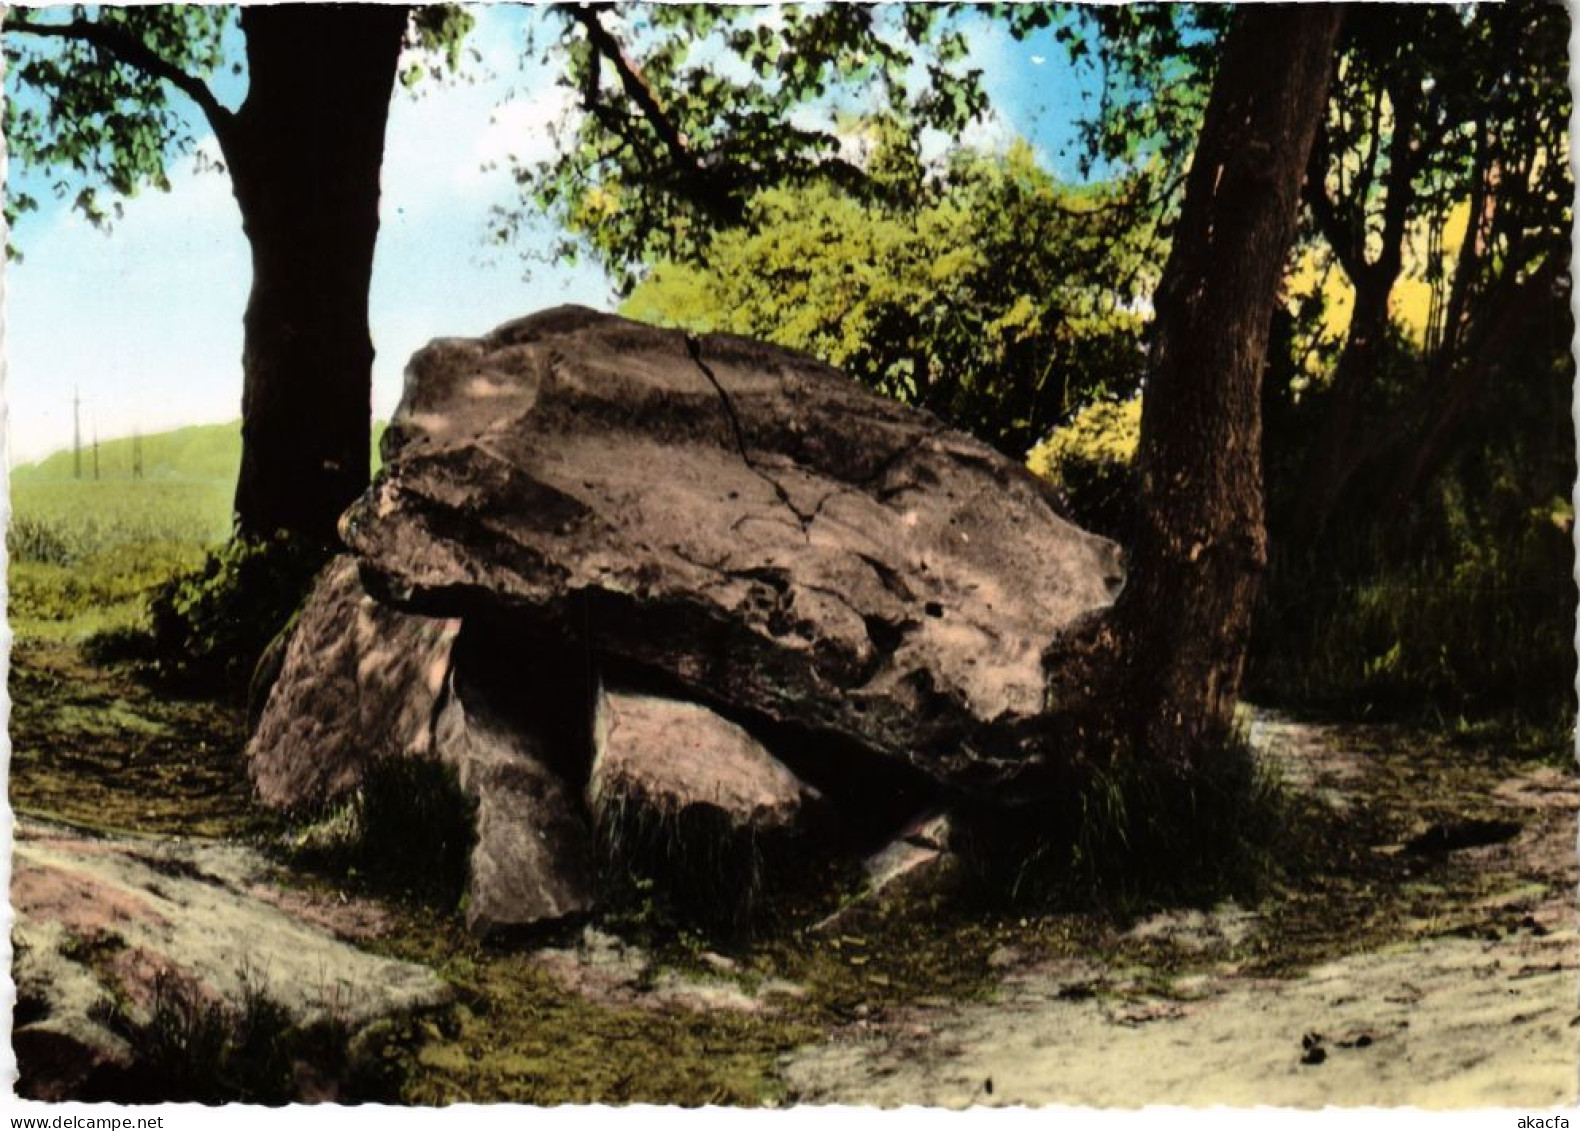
x=1338, y=452
x=1182, y=624
x=305, y=151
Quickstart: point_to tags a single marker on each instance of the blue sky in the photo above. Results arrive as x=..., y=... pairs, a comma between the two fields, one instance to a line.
x=146, y=320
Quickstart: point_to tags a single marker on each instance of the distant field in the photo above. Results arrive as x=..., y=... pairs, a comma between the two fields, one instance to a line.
x=202, y=452
x=85, y=552
x=183, y=497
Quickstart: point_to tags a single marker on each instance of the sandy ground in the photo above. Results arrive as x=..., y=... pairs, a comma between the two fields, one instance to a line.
x=1435, y=1020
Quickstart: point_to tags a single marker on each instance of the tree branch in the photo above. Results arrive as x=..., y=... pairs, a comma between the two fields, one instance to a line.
x=1440, y=409
x=605, y=46
x=1344, y=241
x=124, y=47
x=1403, y=158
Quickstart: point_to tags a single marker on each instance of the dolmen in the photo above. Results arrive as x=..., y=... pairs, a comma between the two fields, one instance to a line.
x=612, y=572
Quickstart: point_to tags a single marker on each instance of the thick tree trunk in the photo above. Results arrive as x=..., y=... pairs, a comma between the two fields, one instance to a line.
x=305, y=152
x=1169, y=655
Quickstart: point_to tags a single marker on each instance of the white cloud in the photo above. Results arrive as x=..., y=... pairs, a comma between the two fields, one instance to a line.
x=529, y=130
x=145, y=320
x=991, y=136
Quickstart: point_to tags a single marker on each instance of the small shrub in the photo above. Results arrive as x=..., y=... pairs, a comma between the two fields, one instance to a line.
x=1089, y=459
x=1135, y=834
x=211, y=624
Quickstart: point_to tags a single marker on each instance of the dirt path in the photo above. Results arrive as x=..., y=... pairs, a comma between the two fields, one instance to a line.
x=1428, y=958
x=1473, y=1004
x=96, y=746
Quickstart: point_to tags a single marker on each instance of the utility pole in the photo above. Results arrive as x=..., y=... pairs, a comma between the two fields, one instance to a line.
x=76, y=432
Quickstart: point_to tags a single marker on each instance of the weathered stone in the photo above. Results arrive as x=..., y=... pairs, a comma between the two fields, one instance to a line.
x=612, y=972
x=669, y=758
x=102, y=919
x=533, y=860
x=742, y=519
x=359, y=681
x=917, y=861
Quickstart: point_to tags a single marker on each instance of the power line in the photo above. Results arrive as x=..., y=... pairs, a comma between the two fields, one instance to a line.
x=76, y=432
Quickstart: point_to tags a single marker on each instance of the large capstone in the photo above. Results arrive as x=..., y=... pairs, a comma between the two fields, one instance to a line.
x=741, y=524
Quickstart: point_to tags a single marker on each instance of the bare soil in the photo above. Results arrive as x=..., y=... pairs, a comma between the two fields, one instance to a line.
x=1426, y=954
x=1457, y=987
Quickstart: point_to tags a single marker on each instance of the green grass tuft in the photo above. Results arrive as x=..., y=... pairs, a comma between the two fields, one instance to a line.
x=1134, y=835
x=407, y=832
x=690, y=869
x=195, y=1049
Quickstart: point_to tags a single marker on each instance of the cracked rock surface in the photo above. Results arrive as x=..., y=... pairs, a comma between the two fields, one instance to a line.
x=107, y=924
x=748, y=524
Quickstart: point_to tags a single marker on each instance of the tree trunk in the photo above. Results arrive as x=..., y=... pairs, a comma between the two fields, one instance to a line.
x=1335, y=454
x=1177, y=636
x=304, y=154
x=1425, y=438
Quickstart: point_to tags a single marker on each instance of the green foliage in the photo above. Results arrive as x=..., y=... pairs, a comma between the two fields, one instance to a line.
x=689, y=109
x=1481, y=630
x=1089, y=460
x=1135, y=835
x=998, y=299
x=105, y=591
x=435, y=37
x=1460, y=609
x=94, y=93
x=1155, y=65
x=85, y=554
x=210, y=625
x=76, y=109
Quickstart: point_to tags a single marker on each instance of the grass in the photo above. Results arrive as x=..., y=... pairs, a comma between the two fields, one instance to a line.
x=198, y=452
x=405, y=834
x=194, y=1049
x=692, y=868
x=97, y=745
x=85, y=555
x=1134, y=835
x=1481, y=646
x=515, y=1034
